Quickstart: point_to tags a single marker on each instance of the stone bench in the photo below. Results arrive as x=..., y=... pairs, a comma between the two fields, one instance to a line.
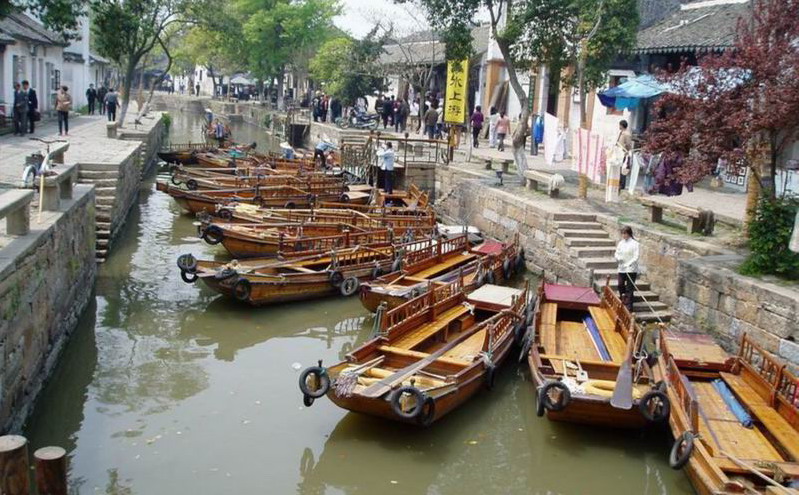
x=699, y=221
x=58, y=187
x=15, y=208
x=505, y=164
x=534, y=177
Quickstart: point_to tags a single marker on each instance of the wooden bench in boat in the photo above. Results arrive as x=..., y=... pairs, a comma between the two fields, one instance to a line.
x=416, y=355
x=614, y=342
x=417, y=336
x=470, y=348
x=760, y=409
x=444, y=266
x=548, y=327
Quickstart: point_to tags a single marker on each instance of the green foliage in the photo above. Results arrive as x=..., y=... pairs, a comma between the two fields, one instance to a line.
x=769, y=234
x=550, y=32
x=283, y=33
x=166, y=118
x=60, y=16
x=350, y=68
x=452, y=19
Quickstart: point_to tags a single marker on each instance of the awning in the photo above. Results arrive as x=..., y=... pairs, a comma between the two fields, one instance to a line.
x=630, y=93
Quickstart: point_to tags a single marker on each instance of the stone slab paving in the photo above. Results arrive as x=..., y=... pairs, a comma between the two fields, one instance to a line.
x=87, y=144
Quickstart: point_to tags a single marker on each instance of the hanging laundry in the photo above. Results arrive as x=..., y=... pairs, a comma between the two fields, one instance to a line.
x=550, y=138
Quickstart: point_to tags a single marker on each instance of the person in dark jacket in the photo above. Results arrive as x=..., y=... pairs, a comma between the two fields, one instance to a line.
x=91, y=97
x=101, y=92
x=33, y=105
x=388, y=108
x=20, y=110
x=111, y=101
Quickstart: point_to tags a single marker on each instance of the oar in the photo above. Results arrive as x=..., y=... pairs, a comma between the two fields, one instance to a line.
x=386, y=384
x=757, y=473
x=623, y=392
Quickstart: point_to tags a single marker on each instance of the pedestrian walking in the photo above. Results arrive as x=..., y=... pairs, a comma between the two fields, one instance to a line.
x=20, y=111
x=538, y=134
x=477, y=125
x=625, y=141
x=111, y=102
x=335, y=109
x=386, y=154
x=430, y=121
x=197, y=89
x=404, y=112
x=33, y=106
x=628, y=251
x=493, y=118
x=503, y=128
x=388, y=108
x=101, y=92
x=91, y=97
x=416, y=118
x=63, y=104
x=396, y=119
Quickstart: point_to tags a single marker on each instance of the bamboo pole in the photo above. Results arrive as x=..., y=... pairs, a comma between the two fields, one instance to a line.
x=51, y=470
x=14, y=478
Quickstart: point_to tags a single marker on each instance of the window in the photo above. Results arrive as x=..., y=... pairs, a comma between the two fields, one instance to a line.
x=612, y=83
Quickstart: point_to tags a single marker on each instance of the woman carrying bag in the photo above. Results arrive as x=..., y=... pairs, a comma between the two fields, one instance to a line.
x=63, y=104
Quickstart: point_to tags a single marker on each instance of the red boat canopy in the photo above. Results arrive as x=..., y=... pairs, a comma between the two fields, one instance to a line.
x=570, y=294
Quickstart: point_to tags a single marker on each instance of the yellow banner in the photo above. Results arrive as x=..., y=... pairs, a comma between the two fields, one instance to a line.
x=457, y=92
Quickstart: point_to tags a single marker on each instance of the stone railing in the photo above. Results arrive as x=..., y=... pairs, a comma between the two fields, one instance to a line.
x=58, y=187
x=15, y=208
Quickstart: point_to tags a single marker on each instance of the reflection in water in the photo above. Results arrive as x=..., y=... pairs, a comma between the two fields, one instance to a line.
x=169, y=388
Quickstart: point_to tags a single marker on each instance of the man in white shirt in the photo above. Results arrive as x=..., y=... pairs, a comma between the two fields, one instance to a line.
x=628, y=251
x=386, y=155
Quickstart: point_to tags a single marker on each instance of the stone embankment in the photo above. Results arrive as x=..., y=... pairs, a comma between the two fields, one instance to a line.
x=48, y=258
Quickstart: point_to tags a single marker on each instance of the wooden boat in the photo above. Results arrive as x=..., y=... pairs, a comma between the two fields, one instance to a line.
x=183, y=154
x=413, y=197
x=309, y=183
x=277, y=196
x=267, y=281
x=578, y=346
x=735, y=419
x=286, y=239
x=430, y=355
x=439, y=264
x=352, y=214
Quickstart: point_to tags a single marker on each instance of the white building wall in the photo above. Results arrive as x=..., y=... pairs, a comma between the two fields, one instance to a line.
x=32, y=66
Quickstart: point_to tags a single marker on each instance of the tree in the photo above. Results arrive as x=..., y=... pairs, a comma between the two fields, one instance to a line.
x=740, y=106
x=351, y=68
x=126, y=31
x=284, y=35
x=60, y=16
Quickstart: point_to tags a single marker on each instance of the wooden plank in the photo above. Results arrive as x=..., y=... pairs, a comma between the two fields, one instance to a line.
x=548, y=335
x=444, y=266
x=575, y=341
x=417, y=336
x=469, y=349
x=549, y=314
x=494, y=295
x=613, y=340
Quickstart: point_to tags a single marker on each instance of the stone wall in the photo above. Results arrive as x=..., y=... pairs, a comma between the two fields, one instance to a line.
x=713, y=297
x=46, y=280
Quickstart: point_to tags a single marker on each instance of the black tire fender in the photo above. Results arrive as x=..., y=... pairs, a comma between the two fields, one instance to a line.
x=376, y=272
x=336, y=278
x=681, y=450
x=242, y=289
x=187, y=263
x=490, y=376
x=225, y=214
x=350, y=286
x=546, y=400
x=225, y=273
x=188, y=277
x=490, y=278
x=290, y=205
x=428, y=412
x=322, y=379
x=396, y=407
x=660, y=413
x=191, y=185
x=507, y=269
x=396, y=265
x=307, y=400
x=520, y=264
x=174, y=180
x=213, y=235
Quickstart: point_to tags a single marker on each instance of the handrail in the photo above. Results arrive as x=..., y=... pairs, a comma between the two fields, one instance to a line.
x=685, y=393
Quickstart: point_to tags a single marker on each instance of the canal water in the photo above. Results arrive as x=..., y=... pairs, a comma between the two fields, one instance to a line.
x=166, y=388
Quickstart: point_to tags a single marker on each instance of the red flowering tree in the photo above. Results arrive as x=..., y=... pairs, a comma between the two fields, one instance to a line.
x=741, y=106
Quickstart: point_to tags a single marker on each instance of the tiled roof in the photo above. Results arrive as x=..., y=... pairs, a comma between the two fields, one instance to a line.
x=425, y=47
x=20, y=26
x=73, y=57
x=97, y=59
x=697, y=26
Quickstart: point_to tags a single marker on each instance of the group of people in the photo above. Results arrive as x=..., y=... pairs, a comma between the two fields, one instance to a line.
x=498, y=127
x=107, y=98
x=26, y=106
x=394, y=112
x=322, y=105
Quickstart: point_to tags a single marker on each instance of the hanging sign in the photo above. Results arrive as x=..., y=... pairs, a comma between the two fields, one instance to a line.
x=457, y=88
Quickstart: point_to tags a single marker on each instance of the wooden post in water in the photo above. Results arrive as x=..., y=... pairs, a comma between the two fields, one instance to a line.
x=51, y=470
x=14, y=478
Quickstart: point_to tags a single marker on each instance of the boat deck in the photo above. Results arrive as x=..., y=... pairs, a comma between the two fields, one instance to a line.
x=444, y=266
x=571, y=339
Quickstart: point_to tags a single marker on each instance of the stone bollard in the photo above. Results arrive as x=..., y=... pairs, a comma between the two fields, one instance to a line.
x=15, y=207
x=111, y=130
x=14, y=465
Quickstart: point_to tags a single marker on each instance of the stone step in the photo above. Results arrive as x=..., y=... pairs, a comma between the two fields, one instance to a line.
x=640, y=295
x=584, y=234
x=103, y=225
x=580, y=225
x=101, y=183
x=99, y=167
x=573, y=217
x=593, y=252
x=103, y=234
x=106, y=192
x=105, y=200
x=599, y=282
x=599, y=263
x=589, y=242
x=650, y=317
x=97, y=174
x=101, y=253
x=642, y=307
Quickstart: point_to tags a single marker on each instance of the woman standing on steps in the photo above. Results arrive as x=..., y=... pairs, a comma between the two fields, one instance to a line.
x=628, y=251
